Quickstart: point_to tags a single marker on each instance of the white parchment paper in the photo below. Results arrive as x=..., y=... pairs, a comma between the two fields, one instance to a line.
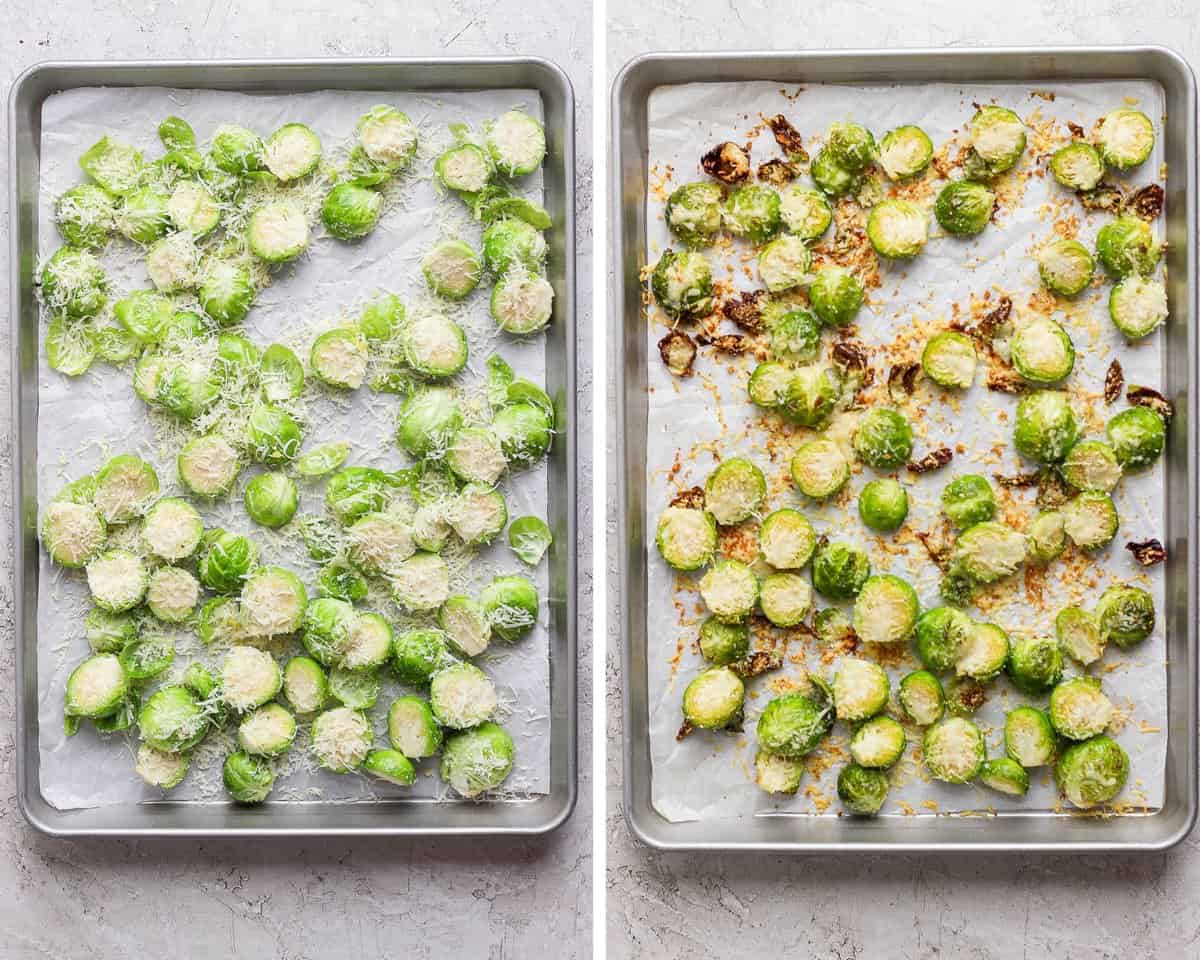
x=692, y=421
x=82, y=421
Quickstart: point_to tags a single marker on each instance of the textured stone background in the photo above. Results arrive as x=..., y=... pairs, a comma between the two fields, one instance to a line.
x=669, y=905
x=298, y=898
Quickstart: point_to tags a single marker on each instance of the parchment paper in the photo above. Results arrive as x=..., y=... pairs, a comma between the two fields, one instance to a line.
x=84, y=420
x=708, y=776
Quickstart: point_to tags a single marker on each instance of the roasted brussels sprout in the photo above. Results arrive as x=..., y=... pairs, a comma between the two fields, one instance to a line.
x=786, y=539
x=1092, y=465
x=724, y=643
x=1078, y=634
x=775, y=774
x=1092, y=772
x=768, y=385
x=1004, y=775
x=983, y=653
x=883, y=438
x=1046, y=426
x=885, y=610
x=1035, y=664
x=805, y=213
x=964, y=207
x=729, y=590
x=905, y=152
x=883, y=505
x=839, y=570
x=1042, y=351
x=1127, y=246
x=734, y=491
x=1077, y=166
x=477, y=760
x=897, y=228
x=954, y=750
x=1066, y=267
x=989, y=551
x=810, y=398
x=836, y=296
x=713, y=700
x=1090, y=519
x=1079, y=709
x=694, y=212
x=785, y=599
x=682, y=284
x=1028, y=737
x=831, y=178
x=942, y=633
x=795, y=335
x=949, y=360
x=862, y=790
x=1125, y=138
x=1046, y=536
x=792, y=725
x=997, y=137
x=784, y=263
x=686, y=538
x=1138, y=436
x=878, y=743
x=860, y=689
x=351, y=211
x=1126, y=615
x=752, y=212
x=922, y=698
x=1137, y=306
x=968, y=499
x=851, y=145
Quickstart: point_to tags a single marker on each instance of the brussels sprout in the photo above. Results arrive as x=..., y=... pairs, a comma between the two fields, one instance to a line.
x=768, y=384
x=422, y=582
x=1079, y=709
x=949, y=360
x=922, y=698
x=860, y=689
x=274, y=436
x=1035, y=664
x=84, y=215
x=1092, y=465
x=124, y=487
x=271, y=499
x=983, y=653
x=1138, y=436
x=819, y=469
x=466, y=625
x=804, y=213
x=193, y=209
x=72, y=533
x=418, y=654
x=682, y=284
x=883, y=438
x=326, y=629
x=143, y=216
x=478, y=514
x=248, y=779
x=434, y=345
x=144, y=314
x=173, y=720
x=1125, y=138
x=964, y=207
x=267, y=732
x=724, y=643
x=461, y=696
x=226, y=293
x=350, y=211
x=1066, y=267
x=357, y=689
x=1077, y=166
x=1046, y=537
x=753, y=212
x=862, y=790
x=322, y=539
x=1090, y=520
x=172, y=529
x=412, y=728
x=1127, y=246
x=172, y=263
x=96, y=688
x=522, y=303
x=1004, y=775
x=157, y=768
x=70, y=347
x=510, y=604
x=831, y=178
x=851, y=145
x=795, y=335
x=186, y=390
x=340, y=580
x=784, y=263
x=878, y=743
x=117, y=167
x=388, y=138
x=1029, y=737
x=109, y=632
x=477, y=760
x=989, y=551
x=905, y=152
x=839, y=570
x=511, y=243
x=694, y=213
x=305, y=685
x=836, y=296
x=113, y=344
x=942, y=634
x=968, y=500
x=730, y=590
x=954, y=750
x=74, y=284
x=897, y=228
x=811, y=396
x=323, y=459
x=886, y=610
x=293, y=151
x=391, y=766
x=1137, y=306
x=464, y=168
x=1078, y=633
x=377, y=543
x=382, y=319
x=237, y=150
x=339, y=358
x=775, y=774
x=786, y=539
x=686, y=538
x=117, y=580
x=355, y=491
x=1092, y=772
x=883, y=505
x=785, y=598
x=997, y=137
x=714, y=699
x=172, y=594
x=273, y=602
x=525, y=431
x=1046, y=426
x=734, y=491
x=529, y=538
x=832, y=626
x=1042, y=351
x=1126, y=615
x=452, y=269
x=431, y=417
x=220, y=622
x=791, y=725
x=341, y=739
x=249, y=678
x=277, y=232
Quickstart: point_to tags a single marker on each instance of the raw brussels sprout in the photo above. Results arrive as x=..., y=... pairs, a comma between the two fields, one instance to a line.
x=1046, y=426
x=805, y=213
x=795, y=335
x=768, y=384
x=323, y=459
x=860, y=689
x=341, y=739
x=1125, y=138
x=522, y=303
x=326, y=629
x=226, y=293
x=792, y=725
x=72, y=533
x=453, y=269
x=412, y=728
x=784, y=263
x=878, y=743
x=988, y=551
x=377, y=543
x=694, y=212
x=172, y=529
x=391, y=766
x=117, y=580
x=461, y=696
x=143, y=216
x=186, y=390
x=144, y=315
x=267, y=732
x=811, y=396
x=1004, y=775
x=434, y=345
x=510, y=603
x=1042, y=351
x=172, y=263
x=1078, y=633
x=116, y=166
x=124, y=487
x=831, y=178
x=954, y=750
x=729, y=590
x=478, y=514
x=832, y=626
x=1028, y=737
x=147, y=657
x=786, y=539
x=775, y=774
x=273, y=602
x=274, y=436
x=70, y=347
x=964, y=207
x=883, y=505
x=724, y=643
x=277, y=232
x=271, y=499
x=157, y=768
x=84, y=215
x=357, y=689
x=354, y=491
x=752, y=212
x=208, y=465
x=883, y=438
x=984, y=652
x=173, y=719
x=997, y=137
x=686, y=538
x=508, y=244
x=836, y=296
x=942, y=634
x=109, y=632
x=464, y=168
x=529, y=538
x=192, y=208
x=682, y=284
x=113, y=344
x=862, y=790
x=382, y=319
x=905, y=152
x=339, y=358
x=1046, y=537
x=897, y=228
x=466, y=625
x=477, y=760
x=350, y=211
x=322, y=539
x=885, y=610
x=96, y=688
x=1079, y=709
x=949, y=360
x=220, y=622
x=525, y=431
x=248, y=779
x=340, y=580
x=418, y=654
x=1138, y=436
x=1092, y=465
x=734, y=491
x=1066, y=267
x=237, y=358
x=1137, y=306
x=430, y=418
x=293, y=151
x=388, y=138
x=249, y=678
x=839, y=570
x=785, y=599
x=1127, y=246
x=1077, y=166
x=922, y=698
x=422, y=582
x=74, y=284
x=1092, y=772
x=1035, y=664
x=1126, y=615
x=305, y=685
x=237, y=150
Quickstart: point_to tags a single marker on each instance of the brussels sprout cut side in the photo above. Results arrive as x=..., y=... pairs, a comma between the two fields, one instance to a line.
x=1125, y=138
x=905, y=152
x=949, y=360
x=897, y=228
x=1077, y=166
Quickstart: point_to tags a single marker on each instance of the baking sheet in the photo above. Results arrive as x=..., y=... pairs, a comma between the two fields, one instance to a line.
x=82, y=421
x=710, y=776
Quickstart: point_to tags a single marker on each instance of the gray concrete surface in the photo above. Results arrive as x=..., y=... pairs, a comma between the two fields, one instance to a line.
x=295, y=899
x=1096, y=908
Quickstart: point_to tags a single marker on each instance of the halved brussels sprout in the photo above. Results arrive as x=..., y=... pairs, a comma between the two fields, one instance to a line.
x=466, y=625
x=188, y=389
x=785, y=599
x=237, y=150
x=730, y=590
x=173, y=719
x=1125, y=138
x=116, y=166
x=831, y=178
x=350, y=211
x=70, y=347
x=267, y=732
x=1092, y=772
x=1137, y=306
x=305, y=685
x=339, y=579
x=428, y=421
x=1077, y=166
x=477, y=760
x=819, y=468
x=148, y=657
x=883, y=505
x=862, y=790
x=897, y=228
x=142, y=216
x=161, y=769
x=885, y=610
x=1079, y=709
x=714, y=699
x=734, y=491
x=418, y=654
x=753, y=212
x=249, y=678
x=271, y=499
x=784, y=263
x=525, y=431
x=273, y=602
x=682, y=284
x=795, y=335
x=1078, y=633
x=354, y=491
x=1046, y=536
x=1066, y=267
x=724, y=643
x=989, y=551
x=1004, y=775
x=377, y=543
x=786, y=539
x=905, y=152
x=341, y=739
x=964, y=207
x=522, y=303
x=775, y=774
x=792, y=725
x=452, y=269
x=883, y=438
x=836, y=296
x=949, y=360
x=96, y=688
x=248, y=779
x=388, y=138
x=461, y=696
x=510, y=603
x=434, y=345
x=326, y=631
x=1090, y=519
x=72, y=533
x=997, y=136
x=277, y=232
x=113, y=344
x=1046, y=426
x=357, y=689
x=686, y=538
x=478, y=514
x=1127, y=246
x=768, y=384
x=954, y=750
x=860, y=689
x=293, y=151
x=1029, y=737
x=1035, y=664
x=172, y=263
x=109, y=632
x=508, y=244
x=193, y=208
x=839, y=570
x=226, y=293
x=1092, y=465
x=1138, y=436
x=983, y=653
x=805, y=213
x=1042, y=351
x=852, y=145
x=144, y=314
x=1126, y=615
x=172, y=529
x=465, y=168
x=125, y=486
x=117, y=580
x=832, y=626
x=382, y=319
x=811, y=396
x=339, y=358
x=878, y=743
x=921, y=697
x=422, y=582
x=694, y=212
x=943, y=633
x=73, y=284
x=412, y=728
x=221, y=622
x=391, y=766
x=274, y=436
x=476, y=456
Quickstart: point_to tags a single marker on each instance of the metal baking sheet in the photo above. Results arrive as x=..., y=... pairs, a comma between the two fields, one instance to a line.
x=1036, y=68
x=535, y=813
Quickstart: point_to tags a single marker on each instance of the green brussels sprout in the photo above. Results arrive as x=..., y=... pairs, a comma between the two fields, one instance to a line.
x=730, y=590
x=143, y=216
x=355, y=491
x=220, y=621
x=277, y=232
x=510, y=604
x=1126, y=615
x=477, y=760
x=1042, y=351
x=96, y=688
x=186, y=390
x=115, y=166
x=791, y=725
x=1066, y=267
x=905, y=152
x=954, y=750
x=434, y=345
x=193, y=209
x=453, y=269
x=144, y=314
x=461, y=696
x=73, y=284
x=529, y=538
x=1127, y=246
x=949, y=360
x=125, y=486
x=831, y=178
x=1078, y=633
x=997, y=137
x=172, y=263
x=326, y=629
x=883, y=438
x=200, y=680
x=983, y=653
x=883, y=505
x=724, y=643
x=109, y=632
x=1092, y=465
x=430, y=418
x=339, y=358
x=768, y=384
x=988, y=551
x=273, y=602
x=157, y=768
x=388, y=138
x=1046, y=537
x=368, y=645
x=964, y=207
x=1092, y=772
x=1035, y=664
x=342, y=581
x=237, y=150
x=805, y=213
x=1137, y=306
x=72, y=533
x=412, y=728
x=525, y=431
x=942, y=633
x=1138, y=436
x=897, y=228
x=466, y=625
x=786, y=539
x=350, y=211
x=1125, y=138
x=836, y=296
x=1046, y=426
x=464, y=168
x=1029, y=737
x=70, y=347
x=274, y=436
x=775, y=774
x=734, y=491
x=885, y=610
x=714, y=699
x=1079, y=710
x=478, y=514
x=522, y=303
x=839, y=570
x=391, y=766
x=226, y=293
x=271, y=499
x=862, y=790
x=172, y=529
x=682, y=284
x=382, y=319
x=341, y=739
x=860, y=689
x=249, y=678
x=686, y=538
x=1004, y=775
x=147, y=657
x=293, y=151
x=752, y=212
x=237, y=358
x=811, y=396
x=323, y=459
x=851, y=146
x=784, y=263
x=1077, y=166
x=173, y=719
x=248, y=779
x=832, y=626
x=422, y=582
x=356, y=689
x=113, y=344
x=418, y=654
x=512, y=243
x=1090, y=520
x=377, y=543
x=878, y=743
x=267, y=731
x=694, y=212
x=795, y=335
x=785, y=599
x=117, y=580
x=85, y=215
x=208, y=465
x=921, y=697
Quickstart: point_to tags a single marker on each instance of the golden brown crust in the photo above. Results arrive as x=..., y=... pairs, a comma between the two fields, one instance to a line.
x=1141, y=396
x=1146, y=203
x=788, y=137
x=727, y=162
x=934, y=460
x=1147, y=552
x=746, y=309
x=691, y=499
x=777, y=172
x=678, y=352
